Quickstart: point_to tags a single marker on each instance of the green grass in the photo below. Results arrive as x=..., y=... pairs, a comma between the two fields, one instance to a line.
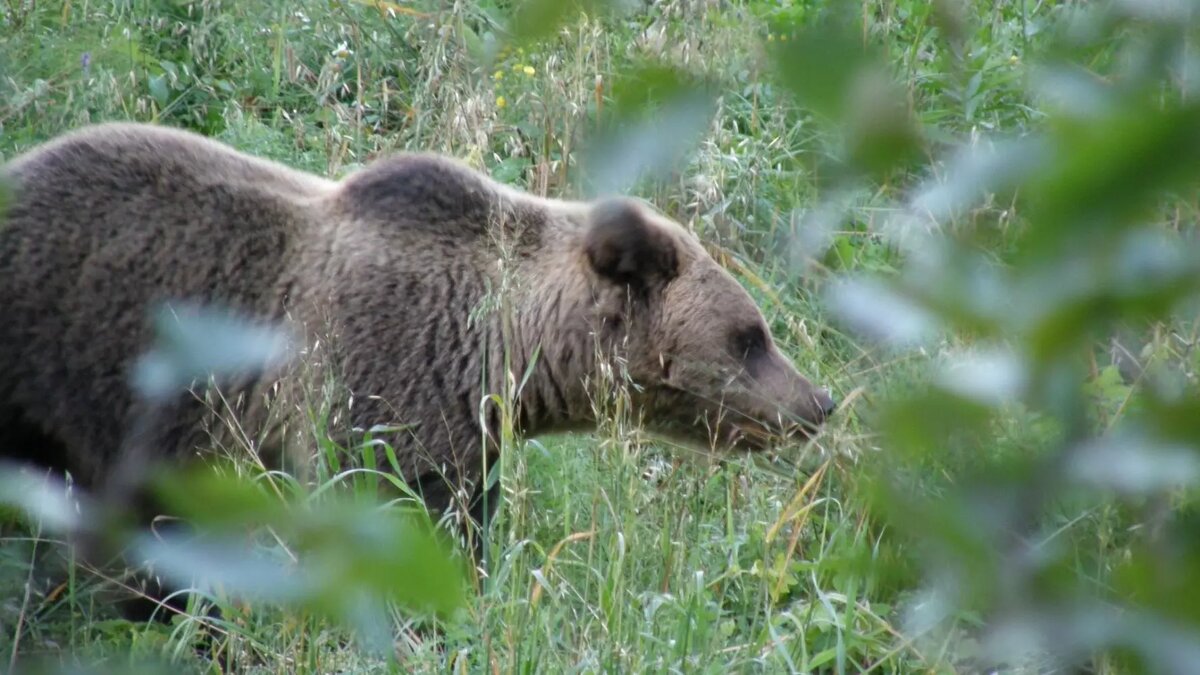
x=740, y=566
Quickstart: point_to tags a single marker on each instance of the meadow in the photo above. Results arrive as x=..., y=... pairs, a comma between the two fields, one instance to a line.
x=971, y=220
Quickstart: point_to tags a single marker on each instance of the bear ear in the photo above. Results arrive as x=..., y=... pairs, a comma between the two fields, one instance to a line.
x=624, y=246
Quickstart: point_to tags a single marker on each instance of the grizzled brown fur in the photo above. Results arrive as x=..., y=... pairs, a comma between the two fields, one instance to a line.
x=398, y=257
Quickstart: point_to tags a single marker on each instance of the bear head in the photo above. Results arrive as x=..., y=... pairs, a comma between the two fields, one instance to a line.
x=693, y=341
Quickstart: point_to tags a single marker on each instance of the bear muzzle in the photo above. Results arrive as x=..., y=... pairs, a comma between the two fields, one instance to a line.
x=805, y=410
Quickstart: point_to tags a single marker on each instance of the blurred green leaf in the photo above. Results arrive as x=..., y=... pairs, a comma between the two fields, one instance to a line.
x=1081, y=628
x=991, y=167
x=931, y=422
x=1164, y=574
x=822, y=61
x=1137, y=275
x=1001, y=514
x=1106, y=171
x=874, y=310
x=211, y=497
x=1134, y=463
x=535, y=20
x=833, y=70
x=40, y=497
x=194, y=342
x=881, y=132
x=159, y=89
x=643, y=88
x=993, y=376
x=658, y=116
x=348, y=551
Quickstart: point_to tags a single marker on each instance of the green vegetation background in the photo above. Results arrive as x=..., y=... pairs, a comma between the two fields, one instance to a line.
x=900, y=184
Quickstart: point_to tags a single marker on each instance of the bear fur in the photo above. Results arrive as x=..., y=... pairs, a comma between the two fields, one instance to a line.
x=401, y=262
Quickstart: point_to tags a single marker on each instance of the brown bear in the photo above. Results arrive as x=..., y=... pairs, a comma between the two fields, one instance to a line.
x=400, y=261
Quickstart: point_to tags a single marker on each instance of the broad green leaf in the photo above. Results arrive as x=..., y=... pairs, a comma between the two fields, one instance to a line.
x=193, y=342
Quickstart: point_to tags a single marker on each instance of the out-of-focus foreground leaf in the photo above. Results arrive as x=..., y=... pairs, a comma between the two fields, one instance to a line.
x=832, y=71
x=194, y=343
x=658, y=115
x=346, y=550
x=534, y=20
x=338, y=554
x=39, y=497
x=1005, y=472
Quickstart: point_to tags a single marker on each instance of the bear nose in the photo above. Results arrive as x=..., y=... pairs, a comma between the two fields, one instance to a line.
x=826, y=404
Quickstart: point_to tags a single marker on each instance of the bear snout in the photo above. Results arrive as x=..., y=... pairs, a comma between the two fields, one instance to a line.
x=808, y=409
x=813, y=407
x=801, y=403
x=824, y=403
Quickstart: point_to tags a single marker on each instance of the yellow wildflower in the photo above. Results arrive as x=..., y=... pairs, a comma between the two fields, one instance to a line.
x=529, y=70
x=498, y=75
x=500, y=102
x=770, y=37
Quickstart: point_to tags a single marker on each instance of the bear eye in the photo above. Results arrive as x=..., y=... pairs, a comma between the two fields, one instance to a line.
x=749, y=343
